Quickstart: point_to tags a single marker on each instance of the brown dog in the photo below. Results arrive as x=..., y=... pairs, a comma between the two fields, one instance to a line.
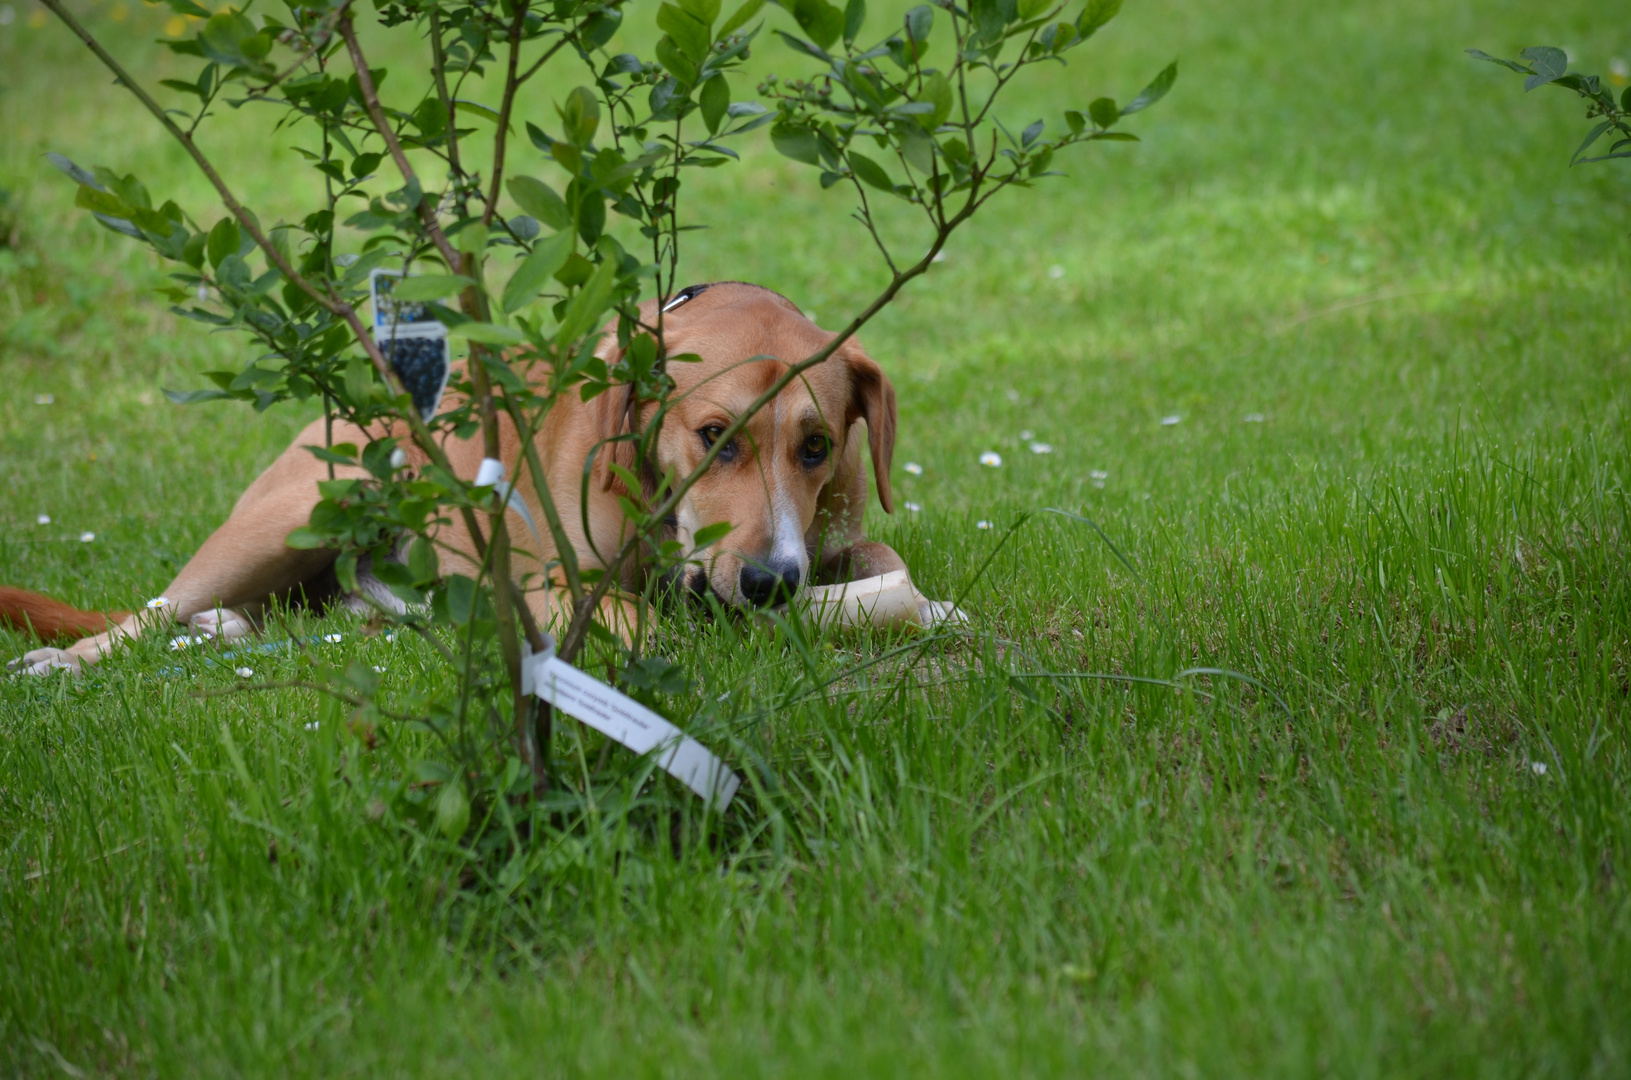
x=791, y=484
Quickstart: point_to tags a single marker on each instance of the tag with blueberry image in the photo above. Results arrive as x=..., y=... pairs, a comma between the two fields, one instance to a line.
x=413, y=341
x=421, y=362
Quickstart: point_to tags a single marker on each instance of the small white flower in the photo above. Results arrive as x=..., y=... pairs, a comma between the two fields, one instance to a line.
x=991, y=459
x=158, y=602
x=1056, y=272
x=398, y=458
x=332, y=639
x=982, y=524
x=344, y=260
x=913, y=507
x=378, y=670
x=177, y=643
x=45, y=399
x=1027, y=435
x=1253, y=418
x=203, y=293
x=312, y=726
x=1099, y=474
x=1168, y=421
x=390, y=637
x=1538, y=768
x=1041, y=448
x=43, y=519
x=914, y=468
x=245, y=673
x=86, y=537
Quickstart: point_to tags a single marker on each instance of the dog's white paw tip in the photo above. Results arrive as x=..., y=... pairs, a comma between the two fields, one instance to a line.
x=226, y=625
x=44, y=662
x=940, y=612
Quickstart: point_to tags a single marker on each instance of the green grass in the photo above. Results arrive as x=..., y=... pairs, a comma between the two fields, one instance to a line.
x=1336, y=221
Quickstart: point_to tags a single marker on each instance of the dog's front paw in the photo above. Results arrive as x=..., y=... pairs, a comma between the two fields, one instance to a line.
x=939, y=612
x=44, y=662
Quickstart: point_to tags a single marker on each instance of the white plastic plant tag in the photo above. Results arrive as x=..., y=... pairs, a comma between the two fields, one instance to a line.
x=394, y=319
x=625, y=720
x=491, y=474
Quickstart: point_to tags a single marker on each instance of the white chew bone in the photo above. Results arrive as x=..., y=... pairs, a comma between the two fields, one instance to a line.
x=886, y=601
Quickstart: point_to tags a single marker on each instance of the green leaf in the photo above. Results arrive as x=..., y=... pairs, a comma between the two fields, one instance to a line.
x=1104, y=112
x=919, y=21
x=431, y=117
x=73, y=171
x=854, y=20
x=870, y=172
x=472, y=239
x=461, y=598
x=704, y=11
x=1549, y=65
x=916, y=147
x=193, y=397
x=1030, y=9
x=798, y=143
x=423, y=563
x=689, y=35
x=714, y=99
x=304, y=538
x=588, y=306
x=101, y=202
x=747, y=11
x=1096, y=14
x=709, y=535
x=224, y=240
x=1592, y=136
x=1154, y=92
x=364, y=164
x=540, y=200
x=546, y=258
x=673, y=59
x=823, y=22
x=1480, y=54
x=452, y=808
x=937, y=92
x=430, y=287
x=224, y=36
x=581, y=116
x=488, y=334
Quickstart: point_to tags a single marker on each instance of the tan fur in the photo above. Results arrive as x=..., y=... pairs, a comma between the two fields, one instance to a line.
x=782, y=512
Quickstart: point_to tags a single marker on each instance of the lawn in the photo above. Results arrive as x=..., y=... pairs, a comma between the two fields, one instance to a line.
x=1392, y=326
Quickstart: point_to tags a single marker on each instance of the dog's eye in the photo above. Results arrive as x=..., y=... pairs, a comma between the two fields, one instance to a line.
x=814, y=450
x=710, y=435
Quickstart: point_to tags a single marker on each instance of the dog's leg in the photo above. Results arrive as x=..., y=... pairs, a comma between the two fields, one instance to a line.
x=868, y=558
x=245, y=562
x=551, y=606
x=865, y=559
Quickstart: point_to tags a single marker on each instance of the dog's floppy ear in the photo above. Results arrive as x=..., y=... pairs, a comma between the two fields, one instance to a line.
x=873, y=400
x=614, y=414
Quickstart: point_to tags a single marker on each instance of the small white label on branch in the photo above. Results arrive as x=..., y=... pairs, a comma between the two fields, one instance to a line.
x=625, y=720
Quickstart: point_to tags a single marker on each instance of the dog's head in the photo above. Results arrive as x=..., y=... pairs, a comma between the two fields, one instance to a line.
x=795, y=456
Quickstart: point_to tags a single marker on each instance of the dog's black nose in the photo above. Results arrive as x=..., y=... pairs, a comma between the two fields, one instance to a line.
x=767, y=587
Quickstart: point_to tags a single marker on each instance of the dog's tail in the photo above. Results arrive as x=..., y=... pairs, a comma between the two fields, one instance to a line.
x=51, y=620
